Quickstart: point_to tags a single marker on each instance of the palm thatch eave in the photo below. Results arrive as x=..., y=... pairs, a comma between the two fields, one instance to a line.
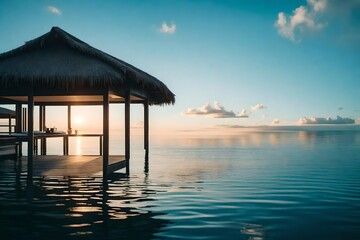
x=58, y=59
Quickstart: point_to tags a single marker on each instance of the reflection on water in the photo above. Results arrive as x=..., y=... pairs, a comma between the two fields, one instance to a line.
x=62, y=208
x=78, y=146
x=273, y=185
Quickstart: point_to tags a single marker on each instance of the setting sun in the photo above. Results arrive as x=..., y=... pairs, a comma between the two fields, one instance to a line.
x=78, y=120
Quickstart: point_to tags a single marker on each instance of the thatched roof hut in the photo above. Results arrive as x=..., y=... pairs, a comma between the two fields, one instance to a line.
x=59, y=60
x=59, y=69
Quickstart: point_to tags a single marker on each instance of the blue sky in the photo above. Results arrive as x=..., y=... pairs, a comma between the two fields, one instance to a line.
x=295, y=59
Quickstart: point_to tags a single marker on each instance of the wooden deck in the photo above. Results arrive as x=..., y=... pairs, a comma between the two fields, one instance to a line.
x=72, y=165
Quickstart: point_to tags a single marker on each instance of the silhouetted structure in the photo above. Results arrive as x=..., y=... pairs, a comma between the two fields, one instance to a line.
x=8, y=115
x=59, y=69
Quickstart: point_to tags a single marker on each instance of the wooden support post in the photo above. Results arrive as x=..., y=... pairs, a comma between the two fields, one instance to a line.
x=69, y=116
x=146, y=127
x=127, y=132
x=40, y=118
x=106, y=136
x=146, y=134
x=68, y=126
x=24, y=128
x=18, y=118
x=30, y=137
x=40, y=129
x=9, y=124
x=101, y=147
x=44, y=118
x=18, y=124
x=43, y=123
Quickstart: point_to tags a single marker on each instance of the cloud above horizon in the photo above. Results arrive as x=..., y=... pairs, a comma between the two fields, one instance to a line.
x=328, y=120
x=168, y=28
x=54, y=10
x=316, y=15
x=304, y=18
x=275, y=121
x=216, y=111
x=258, y=106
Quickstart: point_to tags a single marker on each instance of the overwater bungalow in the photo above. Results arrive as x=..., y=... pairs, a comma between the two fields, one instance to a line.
x=58, y=69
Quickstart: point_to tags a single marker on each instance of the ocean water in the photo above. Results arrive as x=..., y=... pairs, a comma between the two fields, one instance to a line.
x=255, y=185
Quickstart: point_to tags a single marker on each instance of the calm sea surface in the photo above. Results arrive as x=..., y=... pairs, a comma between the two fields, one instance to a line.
x=265, y=185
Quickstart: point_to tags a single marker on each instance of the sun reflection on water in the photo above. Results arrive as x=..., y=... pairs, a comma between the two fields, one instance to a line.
x=78, y=146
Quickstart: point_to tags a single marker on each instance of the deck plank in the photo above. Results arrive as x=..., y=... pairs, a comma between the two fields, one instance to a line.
x=72, y=165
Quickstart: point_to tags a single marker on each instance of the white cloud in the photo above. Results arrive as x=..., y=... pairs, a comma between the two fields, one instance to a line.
x=275, y=121
x=318, y=5
x=258, y=106
x=243, y=113
x=328, y=120
x=169, y=29
x=304, y=18
x=216, y=111
x=139, y=124
x=54, y=10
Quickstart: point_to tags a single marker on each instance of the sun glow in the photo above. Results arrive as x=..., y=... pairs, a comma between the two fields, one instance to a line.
x=78, y=120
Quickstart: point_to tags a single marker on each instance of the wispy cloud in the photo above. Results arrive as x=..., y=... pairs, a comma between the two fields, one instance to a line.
x=168, y=28
x=54, y=10
x=304, y=18
x=312, y=128
x=328, y=120
x=243, y=113
x=275, y=121
x=216, y=111
x=258, y=106
x=139, y=124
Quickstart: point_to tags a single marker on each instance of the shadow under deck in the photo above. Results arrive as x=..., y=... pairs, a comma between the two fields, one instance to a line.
x=72, y=165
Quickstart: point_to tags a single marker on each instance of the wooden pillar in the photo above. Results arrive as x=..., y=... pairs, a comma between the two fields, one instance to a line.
x=43, y=140
x=146, y=128
x=18, y=117
x=18, y=124
x=69, y=116
x=40, y=129
x=69, y=127
x=44, y=118
x=40, y=118
x=9, y=124
x=127, y=132
x=24, y=120
x=106, y=136
x=30, y=137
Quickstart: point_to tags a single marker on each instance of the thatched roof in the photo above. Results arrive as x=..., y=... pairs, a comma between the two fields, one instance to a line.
x=6, y=113
x=59, y=60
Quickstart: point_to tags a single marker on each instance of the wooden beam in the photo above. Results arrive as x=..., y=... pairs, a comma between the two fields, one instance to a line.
x=43, y=141
x=146, y=135
x=69, y=116
x=24, y=120
x=18, y=118
x=68, y=129
x=30, y=137
x=9, y=124
x=40, y=118
x=127, y=132
x=146, y=126
x=105, y=136
x=44, y=118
